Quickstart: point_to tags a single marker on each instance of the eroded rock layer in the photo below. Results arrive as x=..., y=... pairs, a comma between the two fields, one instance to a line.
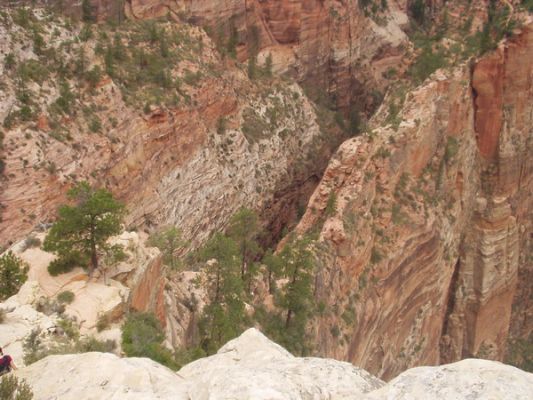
x=433, y=222
x=226, y=142
x=332, y=47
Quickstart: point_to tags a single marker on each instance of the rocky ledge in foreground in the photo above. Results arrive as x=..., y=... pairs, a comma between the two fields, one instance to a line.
x=253, y=367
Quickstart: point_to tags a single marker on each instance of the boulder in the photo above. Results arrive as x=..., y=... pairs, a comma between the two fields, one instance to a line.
x=251, y=367
x=464, y=380
x=99, y=376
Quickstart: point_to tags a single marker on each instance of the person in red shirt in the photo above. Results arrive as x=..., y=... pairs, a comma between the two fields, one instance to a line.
x=6, y=363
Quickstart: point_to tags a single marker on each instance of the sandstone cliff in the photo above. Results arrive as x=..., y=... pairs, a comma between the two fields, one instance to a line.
x=216, y=141
x=336, y=48
x=433, y=222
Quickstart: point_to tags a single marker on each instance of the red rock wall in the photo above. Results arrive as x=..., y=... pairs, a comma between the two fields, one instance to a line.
x=428, y=256
x=147, y=293
x=328, y=45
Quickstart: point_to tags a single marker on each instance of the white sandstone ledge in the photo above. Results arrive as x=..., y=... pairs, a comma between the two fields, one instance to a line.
x=251, y=367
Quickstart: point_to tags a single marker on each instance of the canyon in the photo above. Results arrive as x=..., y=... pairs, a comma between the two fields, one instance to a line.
x=432, y=228
x=426, y=257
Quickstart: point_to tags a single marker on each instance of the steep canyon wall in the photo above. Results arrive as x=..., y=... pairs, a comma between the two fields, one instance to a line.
x=427, y=258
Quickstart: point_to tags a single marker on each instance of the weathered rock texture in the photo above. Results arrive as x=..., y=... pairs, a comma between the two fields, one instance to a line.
x=171, y=165
x=331, y=46
x=433, y=222
x=136, y=283
x=253, y=368
x=467, y=379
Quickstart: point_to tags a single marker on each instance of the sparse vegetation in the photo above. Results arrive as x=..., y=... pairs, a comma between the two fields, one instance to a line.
x=36, y=346
x=11, y=388
x=520, y=353
x=168, y=241
x=142, y=336
x=331, y=206
x=13, y=273
x=65, y=297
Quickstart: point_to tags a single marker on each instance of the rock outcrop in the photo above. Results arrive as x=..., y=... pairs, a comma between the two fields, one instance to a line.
x=467, y=379
x=230, y=142
x=253, y=368
x=98, y=302
x=338, y=48
x=433, y=222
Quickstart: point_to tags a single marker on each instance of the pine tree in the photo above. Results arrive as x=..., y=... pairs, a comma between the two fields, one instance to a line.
x=13, y=273
x=244, y=230
x=169, y=242
x=273, y=264
x=82, y=230
x=268, y=66
x=294, y=300
x=298, y=267
x=223, y=317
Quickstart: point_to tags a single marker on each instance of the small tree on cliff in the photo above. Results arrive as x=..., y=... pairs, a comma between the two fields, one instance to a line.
x=223, y=317
x=169, y=241
x=295, y=265
x=244, y=230
x=87, y=11
x=13, y=273
x=82, y=230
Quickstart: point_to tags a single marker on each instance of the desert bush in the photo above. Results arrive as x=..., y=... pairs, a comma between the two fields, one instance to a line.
x=65, y=297
x=31, y=241
x=36, y=349
x=11, y=388
x=142, y=336
x=103, y=322
x=13, y=273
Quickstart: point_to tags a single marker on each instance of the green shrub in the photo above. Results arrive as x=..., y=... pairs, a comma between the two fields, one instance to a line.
x=13, y=273
x=66, y=264
x=102, y=323
x=254, y=127
x=427, y=62
x=65, y=297
x=92, y=344
x=142, y=336
x=32, y=70
x=452, y=147
x=65, y=99
x=35, y=349
x=9, y=62
x=68, y=327
x=13, y=389
x=95, y=125
x=331, y=206
x=94, y=76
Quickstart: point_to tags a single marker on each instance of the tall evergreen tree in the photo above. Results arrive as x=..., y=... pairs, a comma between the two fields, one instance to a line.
x=244, y=230
x=287, y=325
x=223, y=317
x=82, y=230
x=273, y=264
